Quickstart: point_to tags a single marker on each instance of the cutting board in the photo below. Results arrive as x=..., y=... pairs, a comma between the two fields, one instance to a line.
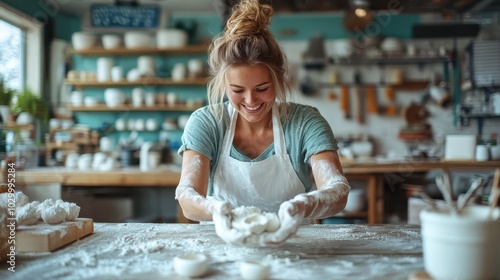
x=44, y=237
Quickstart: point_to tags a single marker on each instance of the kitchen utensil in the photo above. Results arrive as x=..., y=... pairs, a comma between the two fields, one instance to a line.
x=104, y=65
x=133, y=75
x=43, y=237
x=428, y=199
x=359, y=97
x=391, y=109
x=146, y=66
x=344, y=99
x=179, y=71
x=494, y=193
x=137, y=39
x=254, y=270
x=482, y=153
x=191, y=264
x=307, y=86
x=111, y=41
x=114, y=97
x=462, y=246
x=171, y=38
x=371, y=97
x=83, y=40
x=445, y=190
x=117, y=73
x=468, y=195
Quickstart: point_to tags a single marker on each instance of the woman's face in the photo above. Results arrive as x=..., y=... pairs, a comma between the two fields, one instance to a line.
x=250, y=91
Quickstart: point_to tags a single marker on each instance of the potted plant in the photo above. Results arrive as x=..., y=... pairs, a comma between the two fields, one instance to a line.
x=29, y=106
x=6, y=95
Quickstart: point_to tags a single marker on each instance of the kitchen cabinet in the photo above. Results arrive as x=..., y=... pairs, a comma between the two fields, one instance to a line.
x=162, y=82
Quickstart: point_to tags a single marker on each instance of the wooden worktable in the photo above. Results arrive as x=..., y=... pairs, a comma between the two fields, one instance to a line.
x=146, y=251
x=374, y=173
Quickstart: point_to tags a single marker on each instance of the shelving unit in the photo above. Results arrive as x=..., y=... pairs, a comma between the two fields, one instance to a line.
x=104, y=108
x=149, y=81
x=391, y=60
x=122, y=51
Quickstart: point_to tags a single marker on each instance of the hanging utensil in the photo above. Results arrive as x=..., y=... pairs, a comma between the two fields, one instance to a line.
x=344, y=101
x=359, y=97
x=446, y=192
x=371, y=96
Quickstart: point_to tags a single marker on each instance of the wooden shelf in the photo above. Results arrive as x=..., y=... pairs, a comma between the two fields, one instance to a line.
x=122, y=51
x=151, y=81
x=14, y=126
x=104, y=108
x=391, y=60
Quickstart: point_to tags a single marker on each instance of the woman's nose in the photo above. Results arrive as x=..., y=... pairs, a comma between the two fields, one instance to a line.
x=250, y=97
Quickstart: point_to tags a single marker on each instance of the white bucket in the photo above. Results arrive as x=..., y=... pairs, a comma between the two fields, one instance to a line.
x=461, y=247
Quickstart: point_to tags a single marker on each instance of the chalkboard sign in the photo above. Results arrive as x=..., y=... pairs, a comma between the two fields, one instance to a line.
x=116, y=16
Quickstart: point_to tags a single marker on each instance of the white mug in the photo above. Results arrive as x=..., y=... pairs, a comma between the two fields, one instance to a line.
x=179, y=72
x=482, y=153
x=106, y=144
x=139, y=124
x=137, y=97
x=116, y=73
x=151, y=124
x=76, y=98
x=120, y=124
x=104, y=65
x=150, y=99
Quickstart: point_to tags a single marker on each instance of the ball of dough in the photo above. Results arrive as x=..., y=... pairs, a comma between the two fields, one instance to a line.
x=72, y=210
x=28, y=214
x=21, y=199
x=54, y=214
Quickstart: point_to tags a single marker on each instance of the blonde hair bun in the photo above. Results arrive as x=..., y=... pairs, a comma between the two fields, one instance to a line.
x=248, y=18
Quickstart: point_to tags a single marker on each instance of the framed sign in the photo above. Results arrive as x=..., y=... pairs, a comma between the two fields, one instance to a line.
x=105, y=17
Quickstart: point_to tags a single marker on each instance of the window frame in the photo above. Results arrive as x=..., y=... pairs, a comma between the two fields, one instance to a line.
x=33, y=43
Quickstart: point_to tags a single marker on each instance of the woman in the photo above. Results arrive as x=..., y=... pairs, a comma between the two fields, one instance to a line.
x=257, y=149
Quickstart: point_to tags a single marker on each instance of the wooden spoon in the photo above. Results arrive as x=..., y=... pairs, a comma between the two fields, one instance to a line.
x=468, y=195
x=494, y=193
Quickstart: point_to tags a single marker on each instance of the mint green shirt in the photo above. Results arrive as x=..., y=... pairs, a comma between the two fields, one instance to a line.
x=306, y=133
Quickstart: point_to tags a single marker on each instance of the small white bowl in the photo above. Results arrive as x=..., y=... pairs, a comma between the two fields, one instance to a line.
x=111, y=41
x=137, y=39
x=191, y=264
x=82, y=40
x=254, y=270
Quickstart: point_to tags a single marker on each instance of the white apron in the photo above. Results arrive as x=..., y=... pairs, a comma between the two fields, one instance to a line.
x=264, y=184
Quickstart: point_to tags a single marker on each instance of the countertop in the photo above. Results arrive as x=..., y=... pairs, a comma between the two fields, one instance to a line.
x=146, y=251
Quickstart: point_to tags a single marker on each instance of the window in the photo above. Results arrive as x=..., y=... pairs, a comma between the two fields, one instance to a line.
x=11, y=55
x=21, y=49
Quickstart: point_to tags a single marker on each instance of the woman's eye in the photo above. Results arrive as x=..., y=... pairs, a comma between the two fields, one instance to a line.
x=262, y=89
x=238, y=90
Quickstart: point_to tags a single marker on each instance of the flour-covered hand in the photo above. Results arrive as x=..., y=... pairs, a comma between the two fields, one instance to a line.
x=222, y=217
x=291, y=214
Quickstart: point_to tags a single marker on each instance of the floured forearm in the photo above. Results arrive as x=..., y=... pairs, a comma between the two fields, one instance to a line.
x=333, y=188
x=195, y=205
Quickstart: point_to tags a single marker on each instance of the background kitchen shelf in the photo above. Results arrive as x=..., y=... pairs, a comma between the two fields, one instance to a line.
x=391, y=60
x=151, y=81
x=14, y=126
x=190, y=49
x=104, y=108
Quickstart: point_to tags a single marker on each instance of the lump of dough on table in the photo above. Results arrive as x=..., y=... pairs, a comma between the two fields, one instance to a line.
x=20, y=198
x=72, y=210
x=28, y=214
x=54, y=214
x=252, y=220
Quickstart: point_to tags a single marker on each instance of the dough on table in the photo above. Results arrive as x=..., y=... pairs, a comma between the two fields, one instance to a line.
x=20, y=198
x=252, y=220
x=72, y=210
x=54, y=214
x=28, y=214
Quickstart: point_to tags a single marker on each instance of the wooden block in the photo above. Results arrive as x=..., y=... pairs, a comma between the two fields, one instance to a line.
x=44, y=237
